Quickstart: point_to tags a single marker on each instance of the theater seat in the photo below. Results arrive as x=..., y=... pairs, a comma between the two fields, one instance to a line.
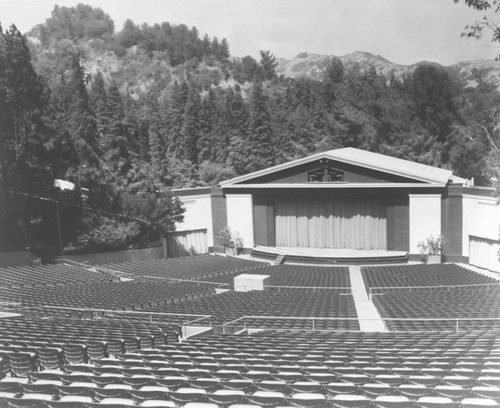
x=200, y=405
x=307, y=399
x=436, y=402
x=350, y=401
x=478, y=402
x=486, y=392
x=155, y=403
x=451, y=391
x=266, y=398
x=392, y=401
x=113, y=403
x=225, y=397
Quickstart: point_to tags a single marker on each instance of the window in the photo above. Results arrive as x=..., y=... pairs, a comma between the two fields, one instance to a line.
x=325, y=174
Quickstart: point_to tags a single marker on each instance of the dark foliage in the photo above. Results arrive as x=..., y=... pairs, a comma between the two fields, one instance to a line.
x=170, y=109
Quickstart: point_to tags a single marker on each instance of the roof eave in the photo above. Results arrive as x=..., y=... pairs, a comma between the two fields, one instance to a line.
x=333, y=185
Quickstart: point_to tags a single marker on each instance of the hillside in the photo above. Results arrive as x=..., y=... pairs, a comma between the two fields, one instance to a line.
x=313, y=66
x=129, y=114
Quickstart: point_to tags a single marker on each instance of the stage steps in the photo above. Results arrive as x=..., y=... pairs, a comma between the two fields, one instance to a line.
x=369, y=318
x=279, y=260
x=311, y=256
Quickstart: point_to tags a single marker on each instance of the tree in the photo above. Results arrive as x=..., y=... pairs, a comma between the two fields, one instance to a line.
x=259, y=144
x=76, y=23
x=190, y=130
x=476, y=29
x=83, y=125
x=25, y=148
x=434, y=90
x=116, y=140
x=269, y=64
x=99, y=102
x=333, y=75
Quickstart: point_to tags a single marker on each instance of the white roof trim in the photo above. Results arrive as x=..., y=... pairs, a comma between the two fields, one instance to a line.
x=274, y=169
x=375, y=161
x=334, y=185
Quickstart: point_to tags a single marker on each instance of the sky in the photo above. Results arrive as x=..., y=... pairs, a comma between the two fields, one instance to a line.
x=403, y=31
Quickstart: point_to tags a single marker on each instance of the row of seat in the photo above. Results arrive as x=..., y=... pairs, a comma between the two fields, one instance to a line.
x=228, y=306
x=51, y=275
x=475, y=304
x=131, y=295
x=189, y=267
x=296, y=276
x=422, y=275
x=199, y=398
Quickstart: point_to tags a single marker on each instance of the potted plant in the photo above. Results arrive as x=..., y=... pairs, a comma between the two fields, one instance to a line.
x=431, y=247
x=233, y=243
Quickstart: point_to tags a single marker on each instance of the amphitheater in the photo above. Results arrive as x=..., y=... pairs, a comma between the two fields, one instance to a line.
x=179, y=333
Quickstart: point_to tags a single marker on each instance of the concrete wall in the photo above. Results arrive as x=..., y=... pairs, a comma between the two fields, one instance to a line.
x=219, y=216
x=425, y=218
x=481, y=218
x=452, y=225
x=398, y=224
x=198, y=215
x=263, y=219
x=240, y=217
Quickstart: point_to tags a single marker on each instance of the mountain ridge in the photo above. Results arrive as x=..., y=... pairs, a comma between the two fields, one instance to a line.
x=312, y=65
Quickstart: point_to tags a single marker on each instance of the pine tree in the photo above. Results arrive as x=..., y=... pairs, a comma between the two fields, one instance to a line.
x=25, y=148
x=269, y=64
x=99, y=103
x=175, y=118
x=116, y=142
x=208, y=120
x=260, y=145
x=223, y=53
x=82, y=121
x=190, y=128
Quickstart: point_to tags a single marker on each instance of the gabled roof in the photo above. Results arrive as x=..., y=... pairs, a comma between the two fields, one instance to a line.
x=364, y=158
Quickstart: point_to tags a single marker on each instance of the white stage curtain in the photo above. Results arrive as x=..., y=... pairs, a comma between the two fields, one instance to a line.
x=335, y=223
x=484, y=253
x=182, y=243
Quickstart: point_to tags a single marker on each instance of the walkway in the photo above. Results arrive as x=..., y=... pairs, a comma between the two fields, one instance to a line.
x=364, y=307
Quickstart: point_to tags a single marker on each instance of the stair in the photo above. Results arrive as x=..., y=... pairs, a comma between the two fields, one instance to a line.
x=279, y=259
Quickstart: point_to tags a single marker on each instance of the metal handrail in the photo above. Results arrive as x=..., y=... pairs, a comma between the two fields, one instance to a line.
x=75, y=263
x=449, y=287
x=194, y=281
x=311, y=287
x=100, y=313
x=456, y=320
x=81, y=309
x=190, y=322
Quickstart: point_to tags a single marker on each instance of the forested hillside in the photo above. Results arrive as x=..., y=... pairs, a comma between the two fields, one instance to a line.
x=130, y=113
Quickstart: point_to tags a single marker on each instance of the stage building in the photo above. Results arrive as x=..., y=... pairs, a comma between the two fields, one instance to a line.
x=345, y=202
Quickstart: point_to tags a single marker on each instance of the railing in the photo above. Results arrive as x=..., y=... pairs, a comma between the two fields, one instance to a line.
x=373, y=289
x=195, y=281
x=458, y=323
x=248, y=322
x=245, y=322
x=313, y=288
x=82, y=265
x=47, y=312
x=95, y=268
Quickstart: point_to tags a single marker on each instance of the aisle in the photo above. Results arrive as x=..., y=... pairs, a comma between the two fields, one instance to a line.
x=364, y=307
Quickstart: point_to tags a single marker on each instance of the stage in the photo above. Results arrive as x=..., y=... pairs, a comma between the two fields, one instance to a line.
x=328, y=256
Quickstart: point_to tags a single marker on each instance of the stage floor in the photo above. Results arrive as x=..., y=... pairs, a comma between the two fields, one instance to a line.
x=330, y=253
